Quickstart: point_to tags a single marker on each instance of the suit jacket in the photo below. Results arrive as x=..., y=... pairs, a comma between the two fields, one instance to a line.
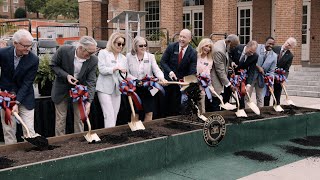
x=150, y=66
x=63, y=64
x=19, y=80
x=249, y=64
x=108, y=81
x=268, y=65
x=285, y=61
x=169, y=61
x=220, y=66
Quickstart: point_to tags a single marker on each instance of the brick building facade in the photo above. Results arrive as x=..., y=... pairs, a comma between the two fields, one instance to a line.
x=250, y=19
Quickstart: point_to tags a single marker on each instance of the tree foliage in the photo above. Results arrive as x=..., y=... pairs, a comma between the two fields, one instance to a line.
x=35, y=5
x=20, y=13
x=66, y=8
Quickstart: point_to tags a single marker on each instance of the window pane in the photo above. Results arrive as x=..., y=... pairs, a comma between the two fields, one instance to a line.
x=152, y=19
x=304, y=39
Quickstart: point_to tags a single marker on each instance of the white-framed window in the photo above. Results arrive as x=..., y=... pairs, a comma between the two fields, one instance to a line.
x=244, y=21
x=5, y=8
x=16, y=1
x=5, y=0
x=193, y=16
x=152, y=19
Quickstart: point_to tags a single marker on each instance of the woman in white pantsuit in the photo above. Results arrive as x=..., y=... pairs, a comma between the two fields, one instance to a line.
x=111, y=61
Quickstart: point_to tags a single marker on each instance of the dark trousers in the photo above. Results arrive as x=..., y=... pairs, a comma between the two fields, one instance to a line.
x=172, y=100
x=214, y=105
x=277, y=93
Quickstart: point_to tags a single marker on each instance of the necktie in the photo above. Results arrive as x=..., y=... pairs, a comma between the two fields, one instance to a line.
x=265, y=57
x=242, y=59
x=280, y=55
x=180, y=56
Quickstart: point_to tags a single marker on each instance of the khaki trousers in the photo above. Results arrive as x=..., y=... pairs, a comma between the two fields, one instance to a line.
x=9, y=131
x=61, y=116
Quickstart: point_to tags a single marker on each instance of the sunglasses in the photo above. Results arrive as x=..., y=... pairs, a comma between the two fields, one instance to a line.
x=121, y=44
x=142, y=45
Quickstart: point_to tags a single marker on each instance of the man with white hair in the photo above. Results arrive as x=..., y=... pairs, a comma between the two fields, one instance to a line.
x=177, y=61
x=18, y=70
x=284, y=61
x=73, y=64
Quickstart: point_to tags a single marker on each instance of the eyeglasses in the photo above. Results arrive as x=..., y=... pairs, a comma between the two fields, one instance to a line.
x=26, y=46
x=142, y=45
x=90, y=53
x=119, y=44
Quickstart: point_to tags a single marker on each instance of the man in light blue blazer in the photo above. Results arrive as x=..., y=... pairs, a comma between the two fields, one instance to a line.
x=267, y=62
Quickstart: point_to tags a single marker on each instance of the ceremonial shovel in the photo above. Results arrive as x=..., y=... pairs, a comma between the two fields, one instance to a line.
x=253, y=106
x=91, y=136
x=226, y=106
x=276, y=107
x=289, y=101
x=240, y=112
x=37, y=140
x=134, y=124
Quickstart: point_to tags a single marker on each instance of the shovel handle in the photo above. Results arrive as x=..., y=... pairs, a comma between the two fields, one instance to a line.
x=285, y=90
x=22, y=122
x=175, y=82
x=237, y=99
x=216, y=94
x=89, y=124
x=271, y=91
x=131, y=106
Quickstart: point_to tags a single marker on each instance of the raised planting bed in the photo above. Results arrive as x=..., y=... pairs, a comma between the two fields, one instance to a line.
x=123, y=154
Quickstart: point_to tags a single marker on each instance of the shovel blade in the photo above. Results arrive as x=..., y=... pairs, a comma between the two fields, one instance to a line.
x=92, y=137
x=278, y=108
x=241, y=113
x=134, y=126
x=254, y=107
x=228, y=106
x=290, y=102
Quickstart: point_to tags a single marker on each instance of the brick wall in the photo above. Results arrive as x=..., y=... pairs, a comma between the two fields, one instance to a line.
x=171, y=16
x=315, y=33
x=288, y=23
x=11, y=10
x=261, y=21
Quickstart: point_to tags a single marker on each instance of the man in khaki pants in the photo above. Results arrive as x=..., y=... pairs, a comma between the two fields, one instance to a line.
x=18, y=70
x=73, y=64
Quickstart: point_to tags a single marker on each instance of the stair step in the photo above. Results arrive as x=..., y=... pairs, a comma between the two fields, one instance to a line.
x=305, y=69
x=304, y=73
x=304, y=78
x=304, y=93
x=303, y=88
x=302, y=83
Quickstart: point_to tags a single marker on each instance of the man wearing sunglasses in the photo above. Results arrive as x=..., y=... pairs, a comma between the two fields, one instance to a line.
x=18, y=70
x=72, y=65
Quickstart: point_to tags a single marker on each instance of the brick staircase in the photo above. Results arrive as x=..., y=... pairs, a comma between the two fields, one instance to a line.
x=304, y=81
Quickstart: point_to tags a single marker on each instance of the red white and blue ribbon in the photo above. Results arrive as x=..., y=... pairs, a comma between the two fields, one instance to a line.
x=279, y=76
x=7, y=101
x=237, y=80
x=205, y=82
x=128, y=87
x=152, y=82
x=80, y=94
x=268, y=80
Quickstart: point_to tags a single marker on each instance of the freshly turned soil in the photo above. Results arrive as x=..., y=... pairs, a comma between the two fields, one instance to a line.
x=154, y=130
x=301, y=152
x=307, y=141
x=255, y=155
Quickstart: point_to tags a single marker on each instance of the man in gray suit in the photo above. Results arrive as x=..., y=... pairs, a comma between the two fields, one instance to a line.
x=221, y=64
x=267, y=62
x=73, y=64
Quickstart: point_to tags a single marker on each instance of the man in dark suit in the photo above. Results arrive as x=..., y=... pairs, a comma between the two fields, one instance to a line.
x=178, y=60
x=245, y=57
x=72, y=65
x=18, y=70
x=284, y=61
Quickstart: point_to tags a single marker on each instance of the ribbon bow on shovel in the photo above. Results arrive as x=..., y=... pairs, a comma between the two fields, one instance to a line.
x=80, y=94
x=7, y=102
